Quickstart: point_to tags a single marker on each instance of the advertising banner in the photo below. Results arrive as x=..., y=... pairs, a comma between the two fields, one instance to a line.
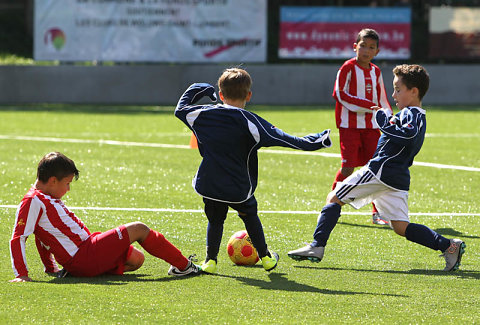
x=329, y=32
x=151, y=30
x=454, y=33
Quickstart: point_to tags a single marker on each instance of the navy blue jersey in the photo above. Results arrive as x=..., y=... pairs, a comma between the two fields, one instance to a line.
x=228, y=139
x=402, y=138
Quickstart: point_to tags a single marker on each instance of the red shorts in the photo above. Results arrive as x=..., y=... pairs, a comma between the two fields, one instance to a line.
x=357, y=146
x=102, y=253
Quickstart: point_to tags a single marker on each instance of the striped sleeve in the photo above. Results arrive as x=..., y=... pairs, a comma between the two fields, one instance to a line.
x=47, y=258
x=26, y=218
x=344, y=95
x=382, y=93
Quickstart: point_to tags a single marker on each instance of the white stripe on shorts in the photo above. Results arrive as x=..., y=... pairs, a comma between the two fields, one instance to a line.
x=347, y=188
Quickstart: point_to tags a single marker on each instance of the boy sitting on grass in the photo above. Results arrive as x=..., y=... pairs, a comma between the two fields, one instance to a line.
x=61, y=237
x=228, y=140
x=385, y=180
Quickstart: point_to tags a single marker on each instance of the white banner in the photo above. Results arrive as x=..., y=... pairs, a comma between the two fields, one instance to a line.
x=151, y=30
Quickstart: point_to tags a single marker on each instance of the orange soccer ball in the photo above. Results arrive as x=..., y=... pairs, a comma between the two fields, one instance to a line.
x=240, y=249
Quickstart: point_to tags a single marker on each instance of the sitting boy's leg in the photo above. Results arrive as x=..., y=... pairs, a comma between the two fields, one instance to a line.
x=135, y=259
x=101, y=253
x=157, y=245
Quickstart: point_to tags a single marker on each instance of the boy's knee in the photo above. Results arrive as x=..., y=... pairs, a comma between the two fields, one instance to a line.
x=137, y=230
x=400, y=227
x=332, y=198
x=135, y=260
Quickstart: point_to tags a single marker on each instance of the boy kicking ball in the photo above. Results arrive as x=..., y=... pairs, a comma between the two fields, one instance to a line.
x=385, y=179
x=62, y=237
x=229, y=137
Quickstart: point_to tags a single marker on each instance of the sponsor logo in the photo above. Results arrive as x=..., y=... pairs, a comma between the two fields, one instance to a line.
x=55, y=38
x=368, y=88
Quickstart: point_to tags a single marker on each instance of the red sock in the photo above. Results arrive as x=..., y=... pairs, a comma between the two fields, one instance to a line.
x=156, y=245
x=338, y=178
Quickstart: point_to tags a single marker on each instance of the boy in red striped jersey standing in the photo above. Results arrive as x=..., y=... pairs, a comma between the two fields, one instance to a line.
x=62, y=237
x=359, y=87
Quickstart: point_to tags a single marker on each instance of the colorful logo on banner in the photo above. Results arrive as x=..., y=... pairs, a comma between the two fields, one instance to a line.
x=55, y=38
x=329, y=32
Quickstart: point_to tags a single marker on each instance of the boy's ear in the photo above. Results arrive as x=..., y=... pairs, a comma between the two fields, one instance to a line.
x=52, y=180
x=415, y=91
x=248, y=96
x=220, y=94
x=378, y=50
x=355, y=47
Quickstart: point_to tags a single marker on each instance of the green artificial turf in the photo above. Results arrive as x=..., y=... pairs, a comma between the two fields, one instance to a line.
x=368, y=274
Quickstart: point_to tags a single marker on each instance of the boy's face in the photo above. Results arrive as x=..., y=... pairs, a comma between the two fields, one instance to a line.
x=366, y=50
x=402, y=95
x=58, y=188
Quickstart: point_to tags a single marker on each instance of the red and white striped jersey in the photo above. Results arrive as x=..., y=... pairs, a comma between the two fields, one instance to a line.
x=57, y=231
x=356, y=90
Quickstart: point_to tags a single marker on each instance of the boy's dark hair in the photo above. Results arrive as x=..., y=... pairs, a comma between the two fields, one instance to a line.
x=56, y=164
x=235, y=83
x=413, y=75
x=368, y=33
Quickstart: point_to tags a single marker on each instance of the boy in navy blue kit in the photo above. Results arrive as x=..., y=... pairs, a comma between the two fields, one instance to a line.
x=228, y=140
x=385, y=180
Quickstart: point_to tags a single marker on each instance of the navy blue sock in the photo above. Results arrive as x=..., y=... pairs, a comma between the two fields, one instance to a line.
x=254, y=228
x=326, y=222
x=214, y=238
x=425, y=236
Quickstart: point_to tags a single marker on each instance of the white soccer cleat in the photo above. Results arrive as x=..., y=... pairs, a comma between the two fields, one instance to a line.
x=453, y=254
x=313, y=254
x=191, y=269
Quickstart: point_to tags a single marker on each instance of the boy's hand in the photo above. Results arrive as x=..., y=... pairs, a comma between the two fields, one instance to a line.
x=58, y=273
x=208, y=90
x=327, y=142
x=385, y=110
x=22, y=278
x=323, y=137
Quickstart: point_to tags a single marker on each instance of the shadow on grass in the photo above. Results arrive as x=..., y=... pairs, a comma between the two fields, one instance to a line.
x=464, y=274
x=372, y=226
x=115, y=279
x=442, y=231
x=453, y=233
x=279, y=281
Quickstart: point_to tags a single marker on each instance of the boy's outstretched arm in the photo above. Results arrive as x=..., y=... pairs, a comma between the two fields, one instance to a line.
x=270, y=136
x=400, y=128
x=194, y=93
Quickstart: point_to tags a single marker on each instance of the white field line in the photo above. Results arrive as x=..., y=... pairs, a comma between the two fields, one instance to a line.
x=264, y=211
x=177, y=146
